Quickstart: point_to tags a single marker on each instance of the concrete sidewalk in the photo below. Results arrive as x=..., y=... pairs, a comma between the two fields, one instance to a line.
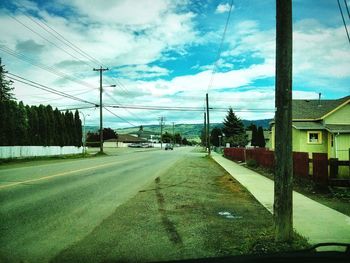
x=316, y=222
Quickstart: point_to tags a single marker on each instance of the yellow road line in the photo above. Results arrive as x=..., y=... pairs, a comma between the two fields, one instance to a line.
x=57, y=175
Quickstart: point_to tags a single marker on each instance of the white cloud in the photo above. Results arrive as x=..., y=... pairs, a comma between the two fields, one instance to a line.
x=318, y=51
x=142, y=71
x=223, y=8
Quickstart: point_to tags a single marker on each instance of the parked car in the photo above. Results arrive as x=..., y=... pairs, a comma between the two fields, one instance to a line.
x=135, y=145
x=169, y=146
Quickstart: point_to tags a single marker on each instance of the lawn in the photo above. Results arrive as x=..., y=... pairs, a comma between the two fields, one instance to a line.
x=193, y=210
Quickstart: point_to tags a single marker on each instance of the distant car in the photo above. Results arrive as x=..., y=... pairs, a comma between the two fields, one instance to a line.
x=135, y=145
x=169, y=146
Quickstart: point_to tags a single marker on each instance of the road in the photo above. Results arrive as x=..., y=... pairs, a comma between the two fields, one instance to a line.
x=46, y=206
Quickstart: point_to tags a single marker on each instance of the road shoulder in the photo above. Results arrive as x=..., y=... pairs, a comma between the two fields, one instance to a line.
x=194, y=210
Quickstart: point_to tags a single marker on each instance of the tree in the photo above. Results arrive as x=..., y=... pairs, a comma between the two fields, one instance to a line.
x=3, y=117
x=70, y=128
x=78, y=129
x=232, y=124
x=60, y=128
x=93, y=139
x=260, y=137
x=5, y=86
x=21, y=125
x=254, y=141
x=10, y=120
x=240, y=140
x=33, y=121
x=177, y=138
x=185, y=141
x=167, y=137
x=214, y=136
x=42, y=132
x=234, y=129
x=50, y=126
x=109, y=133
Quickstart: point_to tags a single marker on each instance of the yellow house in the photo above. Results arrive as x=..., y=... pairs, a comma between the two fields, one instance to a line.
x=321, y=126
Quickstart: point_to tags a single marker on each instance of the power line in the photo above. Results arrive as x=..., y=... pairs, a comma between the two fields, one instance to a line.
x=112, y=98
x=64, y=40
x=52, y=43
x=50, y=69
x=46, y=88
x=200, y=109
x=342, y=16
x=120, y=117
x=347, y=8
x=77, y=108
x=220, y=47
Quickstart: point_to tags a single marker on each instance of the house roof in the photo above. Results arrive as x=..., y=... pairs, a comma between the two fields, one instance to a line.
x=126, y=138
x=307, y=125
x=335, y=128
x=315, y=109
x=145, y=134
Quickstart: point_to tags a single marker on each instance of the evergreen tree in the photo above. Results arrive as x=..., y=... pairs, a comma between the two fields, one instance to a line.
x=10, y=121
x=43, y=123
x=177, y=138
x=109, y=133
x=234, y=130
x=5, y=86
x=214, y=136
x=260, y=137
x=3, y=117
x=92, y=139
x=70, y=128
x=254, y=141
x=78, y=129
x=167, y=137
x=50, y=126
x=185, y=141
x=232, y=124
x=34, y=126
x=21, y=125
x=60, y=129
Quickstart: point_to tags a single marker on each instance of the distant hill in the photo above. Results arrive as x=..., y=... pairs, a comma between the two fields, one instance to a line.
x=190, y=131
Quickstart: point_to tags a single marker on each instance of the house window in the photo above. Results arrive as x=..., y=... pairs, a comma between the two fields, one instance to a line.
x=314, y=137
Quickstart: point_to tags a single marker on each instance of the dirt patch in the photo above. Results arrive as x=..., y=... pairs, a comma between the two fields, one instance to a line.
x=167, y=223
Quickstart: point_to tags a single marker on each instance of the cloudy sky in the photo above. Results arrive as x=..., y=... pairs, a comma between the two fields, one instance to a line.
x=162, y=53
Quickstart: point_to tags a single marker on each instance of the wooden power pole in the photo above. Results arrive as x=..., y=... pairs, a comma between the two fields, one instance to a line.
x=283, y=204
x=101, y=121
x=208, y=123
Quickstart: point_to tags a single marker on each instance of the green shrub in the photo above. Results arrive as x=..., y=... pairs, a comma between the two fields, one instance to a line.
x=252, y=163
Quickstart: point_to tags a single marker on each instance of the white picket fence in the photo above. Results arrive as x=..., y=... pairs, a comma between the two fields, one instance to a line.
x=34, y=151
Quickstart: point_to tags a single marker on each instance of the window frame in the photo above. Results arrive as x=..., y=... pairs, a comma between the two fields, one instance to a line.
x=319, y=133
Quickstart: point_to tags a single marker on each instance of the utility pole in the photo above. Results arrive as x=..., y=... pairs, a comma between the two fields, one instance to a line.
x=173, y=134
x=161, y=122
x=101, y=124
x=205, y=131
x=208, y=123
x=283, y=199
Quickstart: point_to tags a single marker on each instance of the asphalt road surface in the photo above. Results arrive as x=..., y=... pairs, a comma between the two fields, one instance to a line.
x=46, y=206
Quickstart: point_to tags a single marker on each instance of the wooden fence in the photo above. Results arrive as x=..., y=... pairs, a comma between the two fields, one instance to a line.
x=324, y=171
